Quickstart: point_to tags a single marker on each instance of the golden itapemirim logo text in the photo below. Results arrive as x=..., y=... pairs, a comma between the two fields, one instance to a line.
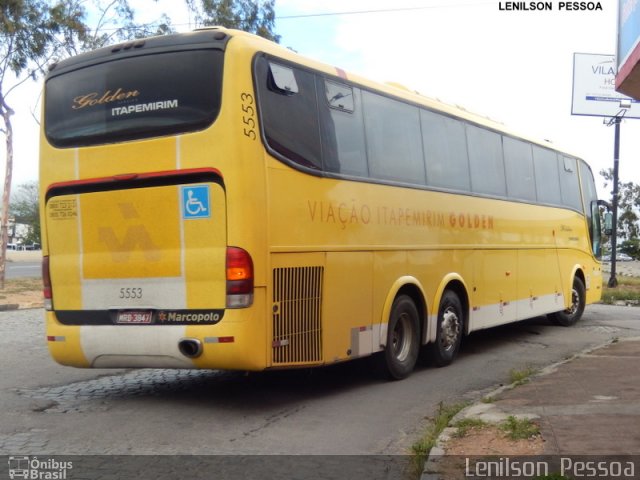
x=94, y=98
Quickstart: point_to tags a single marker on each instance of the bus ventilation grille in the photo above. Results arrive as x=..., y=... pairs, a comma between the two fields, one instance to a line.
x=297, y=313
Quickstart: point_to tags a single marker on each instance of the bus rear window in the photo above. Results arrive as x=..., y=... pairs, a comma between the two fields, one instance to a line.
x=133, y=98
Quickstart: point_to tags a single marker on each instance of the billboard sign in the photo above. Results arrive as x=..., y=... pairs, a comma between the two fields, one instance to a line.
x=628, y=30
x=594, y=87
x=628, y=77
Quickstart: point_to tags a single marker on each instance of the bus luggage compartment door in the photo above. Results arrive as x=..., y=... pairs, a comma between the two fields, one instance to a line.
x=134, y=246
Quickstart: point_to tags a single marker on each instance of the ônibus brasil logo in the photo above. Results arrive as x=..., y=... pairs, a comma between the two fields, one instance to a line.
x=35, y=469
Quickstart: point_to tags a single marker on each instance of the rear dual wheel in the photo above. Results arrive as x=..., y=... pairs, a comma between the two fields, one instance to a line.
x=403, y=340
x=450, y=328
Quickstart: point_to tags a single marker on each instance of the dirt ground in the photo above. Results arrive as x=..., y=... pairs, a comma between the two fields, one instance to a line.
x=24, y=292
x=483, y=441
x=490, y=440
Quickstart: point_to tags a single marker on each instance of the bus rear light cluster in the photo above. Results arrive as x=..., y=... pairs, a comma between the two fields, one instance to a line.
x=46, y=282
x=239, y=278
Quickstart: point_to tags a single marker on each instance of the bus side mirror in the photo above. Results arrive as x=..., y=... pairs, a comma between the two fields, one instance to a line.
x=608, y=223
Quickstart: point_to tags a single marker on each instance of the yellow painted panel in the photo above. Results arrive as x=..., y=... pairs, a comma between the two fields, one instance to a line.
x=247, y=328
x=205, y=254
x=67, y=349
x=155, y=155
x=347, y=302
x=131, y=233
x=61, y=217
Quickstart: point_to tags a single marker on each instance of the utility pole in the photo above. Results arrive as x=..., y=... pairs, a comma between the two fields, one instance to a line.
x=615, y=121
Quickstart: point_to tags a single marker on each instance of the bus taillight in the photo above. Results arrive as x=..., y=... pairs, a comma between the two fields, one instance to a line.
x=46, y=282
x=239, y=278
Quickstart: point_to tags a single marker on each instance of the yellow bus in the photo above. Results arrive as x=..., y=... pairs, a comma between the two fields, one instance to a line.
x=213, y=200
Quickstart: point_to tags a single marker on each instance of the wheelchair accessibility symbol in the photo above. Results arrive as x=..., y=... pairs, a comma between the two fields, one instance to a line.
x=195, y=201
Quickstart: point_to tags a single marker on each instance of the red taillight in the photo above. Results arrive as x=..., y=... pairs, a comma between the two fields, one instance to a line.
x=46, y=283
x=239, y=278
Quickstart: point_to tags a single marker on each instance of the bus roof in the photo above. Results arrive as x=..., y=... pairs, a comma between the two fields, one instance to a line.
x=389, y=88
x=217, y=37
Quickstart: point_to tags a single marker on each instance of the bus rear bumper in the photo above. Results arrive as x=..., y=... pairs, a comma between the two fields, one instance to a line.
x=236, y=343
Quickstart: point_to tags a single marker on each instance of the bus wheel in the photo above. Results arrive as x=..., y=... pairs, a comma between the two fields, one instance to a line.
x=403, y=340
x=450, y=327
x=571, y=315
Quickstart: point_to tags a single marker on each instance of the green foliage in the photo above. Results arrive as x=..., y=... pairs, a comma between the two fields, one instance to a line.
x=628, y=206
x=33, y=31
x=26, y=210
x=423, y=446
x=463, y=426
x=520, y=377
x=116, y=23
x=631, y=247
x=521, y=429
x=254, y=16
x=628, y=289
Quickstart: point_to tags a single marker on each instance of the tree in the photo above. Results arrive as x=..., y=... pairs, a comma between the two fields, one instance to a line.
x=25, y=208
x=631, y=248
x=36, y=32
x=32, y=32
x=116, y=23
x=254, y=16
x=628, y=206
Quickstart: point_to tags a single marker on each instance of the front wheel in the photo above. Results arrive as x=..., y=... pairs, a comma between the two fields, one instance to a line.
x=571, y=315
x=403, y=340
x=449, y=330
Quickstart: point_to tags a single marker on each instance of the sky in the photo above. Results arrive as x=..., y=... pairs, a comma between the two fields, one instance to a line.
x=515, y=67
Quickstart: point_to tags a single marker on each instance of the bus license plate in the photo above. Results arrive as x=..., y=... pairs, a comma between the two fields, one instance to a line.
x=134, y=318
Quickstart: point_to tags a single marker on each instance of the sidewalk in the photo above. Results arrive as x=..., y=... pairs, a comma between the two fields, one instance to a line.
x=588, y=405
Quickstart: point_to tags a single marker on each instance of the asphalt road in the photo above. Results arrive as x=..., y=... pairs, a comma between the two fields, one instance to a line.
x=50, y=409
x=23, y=269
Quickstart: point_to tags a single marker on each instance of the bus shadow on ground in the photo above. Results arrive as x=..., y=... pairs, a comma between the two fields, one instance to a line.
x=242, y=390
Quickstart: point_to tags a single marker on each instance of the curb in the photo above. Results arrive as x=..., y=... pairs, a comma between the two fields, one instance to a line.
x=490, y=413
x=9, y=306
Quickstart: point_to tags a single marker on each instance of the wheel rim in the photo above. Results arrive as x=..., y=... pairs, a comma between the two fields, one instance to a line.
x=449, y=329
x=402, y=337
x=575, y=302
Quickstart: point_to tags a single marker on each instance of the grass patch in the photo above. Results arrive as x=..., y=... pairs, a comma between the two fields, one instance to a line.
x=488, y=399
x=463, y=426
x=21, y=285
x=517, y=429
x=520, y=377
x=422, y=447
x=628, y=289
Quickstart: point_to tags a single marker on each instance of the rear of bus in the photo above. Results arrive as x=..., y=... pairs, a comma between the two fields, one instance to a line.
x=149, y=154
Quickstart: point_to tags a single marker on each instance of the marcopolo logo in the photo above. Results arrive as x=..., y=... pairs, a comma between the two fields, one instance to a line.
x=186, y=317
x=38, y=469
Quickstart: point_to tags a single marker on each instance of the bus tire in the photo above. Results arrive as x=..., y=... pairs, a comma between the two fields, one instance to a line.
x=571, y=315
x=449, y=332
x=403, y=340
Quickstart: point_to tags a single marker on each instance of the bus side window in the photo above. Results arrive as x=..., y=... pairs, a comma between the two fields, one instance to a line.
x=288, y=107
x=339, y=96
x=486, y=162
x=394, y=140
x=518, y=163
x=342, y=129
x=547, y=179
x=283, y=79
x=569, y=183
x=445, y=151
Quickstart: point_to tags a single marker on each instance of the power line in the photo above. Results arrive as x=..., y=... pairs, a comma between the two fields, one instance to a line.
x=385, y=10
